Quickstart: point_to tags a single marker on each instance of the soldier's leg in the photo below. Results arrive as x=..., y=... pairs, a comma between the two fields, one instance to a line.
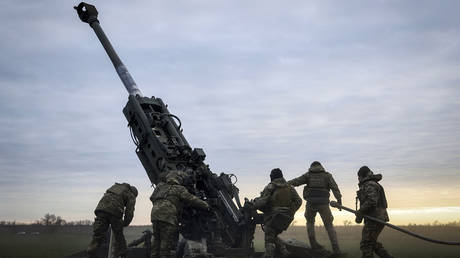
x=269, y=237
x=167, y=236
x=120, y=241
x=369, y=239
x=378, y=247
x=100, y=226
x=310, y=214
x=156, y=240
x=326, y=216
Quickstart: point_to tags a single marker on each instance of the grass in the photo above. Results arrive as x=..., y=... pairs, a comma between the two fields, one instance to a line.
x=398, y=244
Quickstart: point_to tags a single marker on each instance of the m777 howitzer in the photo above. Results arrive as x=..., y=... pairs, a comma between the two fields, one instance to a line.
x=228, y=229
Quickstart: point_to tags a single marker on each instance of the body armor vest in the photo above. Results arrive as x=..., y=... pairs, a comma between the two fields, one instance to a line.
x=317, y=189
x=281, y=197
x=317, y=180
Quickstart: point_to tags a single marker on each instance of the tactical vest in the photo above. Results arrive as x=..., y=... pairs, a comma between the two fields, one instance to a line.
x=317, y=189
x=281, y=197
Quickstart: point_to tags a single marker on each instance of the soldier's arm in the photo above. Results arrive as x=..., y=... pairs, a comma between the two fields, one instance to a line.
x=334, y=188
x=264, y=198
x=301, y=180
x=192, y=200
x=370, y=197
x=129, y=209
x=296, y=200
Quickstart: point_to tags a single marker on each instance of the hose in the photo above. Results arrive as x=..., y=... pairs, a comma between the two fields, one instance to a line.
x=436, y=241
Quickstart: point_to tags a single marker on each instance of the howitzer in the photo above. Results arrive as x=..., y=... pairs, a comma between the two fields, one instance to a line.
x=226, y=231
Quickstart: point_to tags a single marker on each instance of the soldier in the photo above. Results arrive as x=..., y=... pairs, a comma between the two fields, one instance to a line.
x=168, y=199
x=318, y=183
x=278, y=201
x=117, y=200
x=373, y=203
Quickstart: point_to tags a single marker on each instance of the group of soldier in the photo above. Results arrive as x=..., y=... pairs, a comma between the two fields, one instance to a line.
x=278, y=201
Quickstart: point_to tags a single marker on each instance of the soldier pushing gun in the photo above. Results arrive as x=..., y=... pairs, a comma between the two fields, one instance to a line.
x=117, y=200
x=168, y=200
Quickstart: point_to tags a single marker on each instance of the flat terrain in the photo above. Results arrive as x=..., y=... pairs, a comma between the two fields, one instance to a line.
x=66, y=241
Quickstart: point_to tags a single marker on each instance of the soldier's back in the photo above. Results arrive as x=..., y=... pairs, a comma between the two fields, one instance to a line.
x=113, y=200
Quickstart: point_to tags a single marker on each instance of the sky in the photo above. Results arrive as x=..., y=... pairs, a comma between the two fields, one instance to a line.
x=257, y=85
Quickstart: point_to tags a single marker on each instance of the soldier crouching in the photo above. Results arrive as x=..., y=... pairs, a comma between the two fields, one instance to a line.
x=117, y=200
x=278, y=201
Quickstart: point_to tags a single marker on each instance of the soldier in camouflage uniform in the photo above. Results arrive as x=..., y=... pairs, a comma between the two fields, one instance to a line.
x=278, y=201
x=117, y=200
x=373, y=203
x=318, y=183
x=168, y=199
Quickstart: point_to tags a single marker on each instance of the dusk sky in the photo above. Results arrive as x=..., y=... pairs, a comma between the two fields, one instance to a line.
x=257, y=85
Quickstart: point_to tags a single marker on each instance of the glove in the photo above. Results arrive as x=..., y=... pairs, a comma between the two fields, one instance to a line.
x=339, y=201
x=359, y=216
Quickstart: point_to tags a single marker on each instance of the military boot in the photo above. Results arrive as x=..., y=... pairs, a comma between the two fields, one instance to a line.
x=283, y=249
x=269, y=250
x=367, y=254
x=382, y=253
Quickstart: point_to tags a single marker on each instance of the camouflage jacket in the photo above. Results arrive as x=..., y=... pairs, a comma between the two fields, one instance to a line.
x=118, y=200
x=168, y=199
x=372, y=198
x=278, y=201
x=317, y=183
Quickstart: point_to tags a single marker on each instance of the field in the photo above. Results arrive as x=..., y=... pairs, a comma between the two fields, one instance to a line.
x=67, y=241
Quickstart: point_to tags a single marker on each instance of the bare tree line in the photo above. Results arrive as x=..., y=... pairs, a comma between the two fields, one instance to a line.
x=49, y=220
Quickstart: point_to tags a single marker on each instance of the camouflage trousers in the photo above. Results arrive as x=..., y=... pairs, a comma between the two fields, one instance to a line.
x=326, y=215
x=164, y=239
x=100, y=227
x=272, y=241
x=369, y=244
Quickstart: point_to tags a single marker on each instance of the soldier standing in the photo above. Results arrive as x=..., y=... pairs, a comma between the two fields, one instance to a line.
x=168, y=199
x=373, y=203
x=318, y=183
x=278, y=201
x=117, y=200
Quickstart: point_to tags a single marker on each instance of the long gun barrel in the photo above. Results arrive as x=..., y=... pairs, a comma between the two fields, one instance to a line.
x=88, y=14
x=338, y=206
x=161, y=147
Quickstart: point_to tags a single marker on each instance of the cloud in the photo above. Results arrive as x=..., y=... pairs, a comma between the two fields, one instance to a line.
x=257, y=85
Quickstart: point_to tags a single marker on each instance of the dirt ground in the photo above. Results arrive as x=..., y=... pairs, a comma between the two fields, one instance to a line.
x=65, y=242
